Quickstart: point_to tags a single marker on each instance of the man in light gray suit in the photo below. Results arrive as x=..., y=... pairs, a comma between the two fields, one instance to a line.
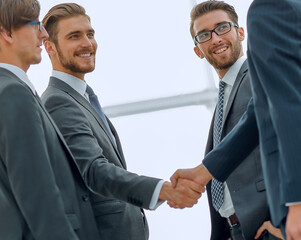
x=218, y=38
x=42, y=192
x=91, y=136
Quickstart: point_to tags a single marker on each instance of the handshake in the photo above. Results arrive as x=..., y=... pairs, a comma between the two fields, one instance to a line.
x=186, y=187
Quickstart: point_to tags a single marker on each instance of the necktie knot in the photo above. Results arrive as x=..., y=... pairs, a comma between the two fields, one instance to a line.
x=90, y=91
x=221, y=84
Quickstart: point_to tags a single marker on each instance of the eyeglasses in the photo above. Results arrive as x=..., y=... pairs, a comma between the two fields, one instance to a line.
x=219, y=30
x=40, y=24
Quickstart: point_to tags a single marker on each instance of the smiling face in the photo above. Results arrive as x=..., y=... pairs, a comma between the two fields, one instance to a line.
x=220, y=51
x=75, y=49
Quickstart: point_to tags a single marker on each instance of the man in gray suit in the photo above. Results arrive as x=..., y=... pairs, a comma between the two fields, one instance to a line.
x=243, y=208
x=91, y=136
x=42, y=193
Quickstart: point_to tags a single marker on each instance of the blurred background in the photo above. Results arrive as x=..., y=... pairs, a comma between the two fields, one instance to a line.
x=145, y=52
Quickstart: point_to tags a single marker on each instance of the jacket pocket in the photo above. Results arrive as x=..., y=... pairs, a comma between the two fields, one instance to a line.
x=260, y=186
x=108, y=207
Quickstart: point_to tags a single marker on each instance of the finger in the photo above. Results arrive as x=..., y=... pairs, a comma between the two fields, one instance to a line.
x=174, y=205
x=260, y=231
x=171, y=204
x=183, y=173
x=189, y=188
x=174, y=178
x=195, y=186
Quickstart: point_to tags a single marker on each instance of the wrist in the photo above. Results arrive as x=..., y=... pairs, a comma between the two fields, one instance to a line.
x=206, y=175
x=165, y=190
x=295, y=207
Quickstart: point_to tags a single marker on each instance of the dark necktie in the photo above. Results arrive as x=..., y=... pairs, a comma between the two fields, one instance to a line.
x=96, y=105
x=217, y=190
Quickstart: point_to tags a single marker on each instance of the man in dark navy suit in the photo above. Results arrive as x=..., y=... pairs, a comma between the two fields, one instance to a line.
x=273, y=116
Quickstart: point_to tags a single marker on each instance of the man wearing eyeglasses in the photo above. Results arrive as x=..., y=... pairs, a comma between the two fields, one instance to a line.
x=238, y=206
x=42, y=193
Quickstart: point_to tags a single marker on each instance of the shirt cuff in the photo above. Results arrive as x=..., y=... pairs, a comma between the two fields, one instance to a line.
x=155, y=202
x=292, y=203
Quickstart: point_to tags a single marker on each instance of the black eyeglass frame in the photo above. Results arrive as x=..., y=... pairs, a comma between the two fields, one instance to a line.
x=40, y=24
x=231, y=24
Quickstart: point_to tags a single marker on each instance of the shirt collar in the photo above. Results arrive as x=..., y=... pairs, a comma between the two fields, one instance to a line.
x=74, y=82
x=20, y=74
x=231, y=75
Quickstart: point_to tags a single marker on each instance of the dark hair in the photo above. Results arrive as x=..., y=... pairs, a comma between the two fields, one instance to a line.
x=209, y=6
x=59, y=12
x=16, y=13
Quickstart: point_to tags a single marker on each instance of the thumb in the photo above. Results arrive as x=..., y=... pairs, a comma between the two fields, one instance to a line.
x=260, y=231
x=174, y=178
x=180, y=173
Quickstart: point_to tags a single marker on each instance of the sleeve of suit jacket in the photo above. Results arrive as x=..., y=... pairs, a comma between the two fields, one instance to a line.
x=235, y=147
x=28, y=169
x=101, y=176
x=278, y=69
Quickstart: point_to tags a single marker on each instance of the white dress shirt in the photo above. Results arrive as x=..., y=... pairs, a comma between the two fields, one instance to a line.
x=80, y=86
x=20, y=74
x=227, y=209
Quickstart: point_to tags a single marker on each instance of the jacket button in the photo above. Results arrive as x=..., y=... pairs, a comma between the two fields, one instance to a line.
x=85, y=198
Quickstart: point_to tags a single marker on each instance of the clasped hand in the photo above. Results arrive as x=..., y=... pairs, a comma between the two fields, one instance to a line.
x=184, y=194
x=187, y=186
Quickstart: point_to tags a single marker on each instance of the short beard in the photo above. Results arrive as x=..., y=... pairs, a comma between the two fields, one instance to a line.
x=71, y=65
x=234, y=56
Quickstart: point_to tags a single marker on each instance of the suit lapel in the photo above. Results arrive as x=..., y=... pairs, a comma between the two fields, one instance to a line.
x=242, y=73
x=54, y=82
x=209, y=145
x=119, y=152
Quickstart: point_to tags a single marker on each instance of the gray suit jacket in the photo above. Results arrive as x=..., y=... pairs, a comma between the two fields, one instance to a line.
x=42, y=193
x=246, y=184
x=102, y=164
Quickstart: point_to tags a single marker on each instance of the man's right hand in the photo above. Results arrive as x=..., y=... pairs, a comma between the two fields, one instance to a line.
x=293, y=223
x=185, y=194
x=199, y=175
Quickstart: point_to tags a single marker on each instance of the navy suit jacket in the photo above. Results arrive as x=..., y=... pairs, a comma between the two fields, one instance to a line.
x=274, y=58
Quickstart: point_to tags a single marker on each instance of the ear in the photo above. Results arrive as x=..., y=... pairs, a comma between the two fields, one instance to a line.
x=241, y=33
x=198, y=52
x=50, y=48
x=6, y=35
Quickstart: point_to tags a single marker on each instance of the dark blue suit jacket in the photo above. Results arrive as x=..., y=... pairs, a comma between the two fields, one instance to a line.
x=274, y=57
